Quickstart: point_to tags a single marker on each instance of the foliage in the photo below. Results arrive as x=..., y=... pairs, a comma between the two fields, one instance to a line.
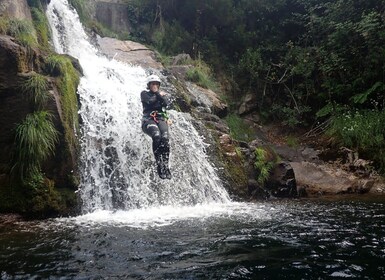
x=42, y=27
x=36, y=88
x=200, y=74
x=362, y=131
x=35, y=140
x=239, y=129
x=263, y=164
x=23, y=31
x=81, y=9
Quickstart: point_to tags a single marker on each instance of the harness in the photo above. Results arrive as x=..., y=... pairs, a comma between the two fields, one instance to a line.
x=155, y=115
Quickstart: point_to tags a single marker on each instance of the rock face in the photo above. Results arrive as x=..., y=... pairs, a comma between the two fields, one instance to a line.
x=15, y=9
x=113, y=14
x=17, y=63
x=129, y=52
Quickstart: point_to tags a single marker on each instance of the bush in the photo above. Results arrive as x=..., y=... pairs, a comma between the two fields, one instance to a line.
x=363, y=131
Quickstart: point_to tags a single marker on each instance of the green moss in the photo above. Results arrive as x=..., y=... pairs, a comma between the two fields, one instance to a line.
x=67, y=82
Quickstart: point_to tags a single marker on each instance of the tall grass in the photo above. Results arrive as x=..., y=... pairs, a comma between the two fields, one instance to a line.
x=239, y=129
x=23, y=31
x=201, y=74
x=36, y=89
x=35, y=141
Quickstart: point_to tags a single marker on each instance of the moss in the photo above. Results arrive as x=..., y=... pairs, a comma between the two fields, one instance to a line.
x=235, y=169
x=68, y=84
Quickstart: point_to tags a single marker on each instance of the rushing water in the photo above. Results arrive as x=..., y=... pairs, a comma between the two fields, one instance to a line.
x=299, y=239
x=135, y=226
x=117, y=161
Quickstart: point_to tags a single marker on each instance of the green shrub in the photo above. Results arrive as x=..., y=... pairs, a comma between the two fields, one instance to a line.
x=200, y=74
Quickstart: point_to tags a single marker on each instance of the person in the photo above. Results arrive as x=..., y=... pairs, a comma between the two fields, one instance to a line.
x=155, y=123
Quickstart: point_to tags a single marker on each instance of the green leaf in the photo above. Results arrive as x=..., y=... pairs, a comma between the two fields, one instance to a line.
x=363, y=97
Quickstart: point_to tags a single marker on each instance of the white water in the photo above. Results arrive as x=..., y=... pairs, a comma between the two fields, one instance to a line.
x=117, y=165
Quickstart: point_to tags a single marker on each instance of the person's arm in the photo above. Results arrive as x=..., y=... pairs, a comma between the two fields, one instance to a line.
x=165, y=99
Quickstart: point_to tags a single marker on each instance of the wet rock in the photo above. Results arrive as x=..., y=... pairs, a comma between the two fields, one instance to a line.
x=129, y=52
x=282, y=182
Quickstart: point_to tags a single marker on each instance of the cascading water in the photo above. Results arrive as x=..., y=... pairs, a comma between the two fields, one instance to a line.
x=117, y=162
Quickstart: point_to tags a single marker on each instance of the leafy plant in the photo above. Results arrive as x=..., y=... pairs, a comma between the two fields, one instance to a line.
x=264, y=164
x=35, y=141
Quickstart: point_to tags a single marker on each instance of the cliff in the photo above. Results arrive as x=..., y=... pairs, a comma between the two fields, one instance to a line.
x=35, y=181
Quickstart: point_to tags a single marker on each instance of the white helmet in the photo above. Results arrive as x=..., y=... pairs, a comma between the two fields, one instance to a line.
x=153, y=78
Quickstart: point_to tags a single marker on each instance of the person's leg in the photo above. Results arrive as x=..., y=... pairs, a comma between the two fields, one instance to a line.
x=164, y=147
x=159, y=145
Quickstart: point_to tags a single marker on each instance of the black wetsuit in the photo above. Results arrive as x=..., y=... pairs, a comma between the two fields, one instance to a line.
x=155, y=125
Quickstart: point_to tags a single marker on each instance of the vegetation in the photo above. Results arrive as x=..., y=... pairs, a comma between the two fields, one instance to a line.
x=28, y=190
x=362, y=131
x=303, y=60
x=264, y=164
x=239, y=129
x=23, y=31
x=36, y=89
x=35, y=140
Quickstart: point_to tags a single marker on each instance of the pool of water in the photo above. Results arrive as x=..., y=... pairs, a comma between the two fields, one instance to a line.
x=280, y=239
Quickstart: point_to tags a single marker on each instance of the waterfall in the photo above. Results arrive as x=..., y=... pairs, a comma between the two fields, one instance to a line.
x=117, y=164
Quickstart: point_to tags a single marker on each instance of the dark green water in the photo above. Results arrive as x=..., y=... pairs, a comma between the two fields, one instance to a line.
x=300, y=239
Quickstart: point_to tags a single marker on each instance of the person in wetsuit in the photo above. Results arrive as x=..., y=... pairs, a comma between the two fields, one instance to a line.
x=155, y=123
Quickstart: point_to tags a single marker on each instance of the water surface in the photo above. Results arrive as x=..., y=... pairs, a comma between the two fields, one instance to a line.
x=300, y=239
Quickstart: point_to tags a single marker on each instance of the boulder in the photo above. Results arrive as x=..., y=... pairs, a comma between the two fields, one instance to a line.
x=207, y=99
x=316, y=179
x=129, y=52
x=248, y=104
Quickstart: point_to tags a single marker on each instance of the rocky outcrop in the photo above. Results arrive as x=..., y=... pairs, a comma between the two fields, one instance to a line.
x=129, y=52
x=15, y=9
x=55, y=193
x=110, y=13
